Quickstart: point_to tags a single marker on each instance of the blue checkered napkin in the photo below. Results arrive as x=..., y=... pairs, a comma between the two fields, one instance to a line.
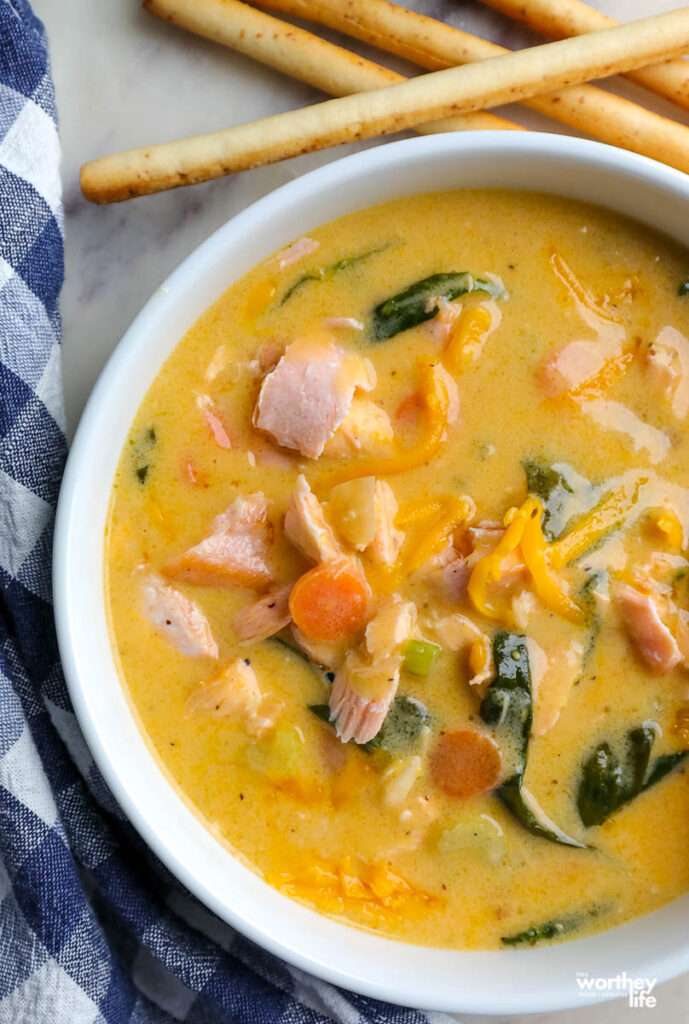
x=92, y=927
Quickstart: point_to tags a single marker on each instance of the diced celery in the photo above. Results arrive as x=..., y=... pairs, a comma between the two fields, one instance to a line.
x=277, y=757
x=475, y=832
x=419, y=656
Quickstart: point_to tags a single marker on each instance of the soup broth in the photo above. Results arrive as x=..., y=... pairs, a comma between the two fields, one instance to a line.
x=397, y=572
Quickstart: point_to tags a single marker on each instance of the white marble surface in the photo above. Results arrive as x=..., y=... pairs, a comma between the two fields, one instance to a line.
x=126, y=79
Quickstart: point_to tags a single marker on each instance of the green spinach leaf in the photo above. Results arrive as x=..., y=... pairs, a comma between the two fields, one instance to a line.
x=507, y=708
x=414, y=305
x=142, y=450
x=401, y=730
x=328, y=272
x=553, y=929
x=606, y=784
x=564, y=494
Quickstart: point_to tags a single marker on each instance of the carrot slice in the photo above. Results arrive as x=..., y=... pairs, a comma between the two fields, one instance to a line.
x=330, y=602
x=465, y=763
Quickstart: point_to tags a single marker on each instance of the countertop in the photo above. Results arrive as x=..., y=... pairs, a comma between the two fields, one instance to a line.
x=125, y=79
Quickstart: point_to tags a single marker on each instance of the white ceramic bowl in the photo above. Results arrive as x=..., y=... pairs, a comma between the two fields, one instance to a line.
x=531, y=980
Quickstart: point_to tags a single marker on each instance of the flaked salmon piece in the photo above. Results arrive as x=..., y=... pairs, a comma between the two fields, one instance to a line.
x=387, y=539
x=264, y=618
x=216, y=426
x=233, y=692
x=572, y=365
x=667, y=362
x=296, y=251
x=450, y=581
x=524, y=605
x=553, y=676
x=366, y=427
x=392, y=625
x=366, y=684
x=362, y=694
x=235, y=552
x=652, y=638
x=454, y=632
x=306, y=397
x=306, y=526
x=441, y=326
x=178, y=619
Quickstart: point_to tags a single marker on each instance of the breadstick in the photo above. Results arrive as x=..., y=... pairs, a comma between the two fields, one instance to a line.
x=297, y=53
x=421, y=100
x=559, y=19
x=432, y=44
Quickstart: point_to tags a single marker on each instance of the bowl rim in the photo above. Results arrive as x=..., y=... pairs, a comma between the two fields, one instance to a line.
x=526, y=981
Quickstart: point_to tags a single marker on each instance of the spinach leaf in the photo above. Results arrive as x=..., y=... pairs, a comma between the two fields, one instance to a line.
x=564, y=493
x=142, y=448
x=328, y=272
x=401, y=730
x=601, y=789
x=507, y=707
x=411, y=307
x=288, y=645
x=683, y=288
x=552, y=929
x=321, y=711
x=662, y=766
x=542, y=932
x=606, y=785
x=594, y=617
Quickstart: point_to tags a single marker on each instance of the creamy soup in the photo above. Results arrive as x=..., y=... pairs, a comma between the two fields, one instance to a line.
x=397, y=569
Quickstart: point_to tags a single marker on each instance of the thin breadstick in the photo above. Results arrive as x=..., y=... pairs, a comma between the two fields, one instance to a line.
x=458, y=90
x=298, y=53
x=573, y=18
x=434, y=45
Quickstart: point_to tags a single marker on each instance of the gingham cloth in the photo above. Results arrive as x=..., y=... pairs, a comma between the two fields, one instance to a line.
x=92, y=927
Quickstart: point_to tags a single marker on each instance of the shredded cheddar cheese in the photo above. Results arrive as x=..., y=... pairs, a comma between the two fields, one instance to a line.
x=596, y=385
x=611, y=512
x=524, y=533
x=448, y=514
x=258, y=298
x=375, y=890
x=467, y=337
x=535, y=551
x=666, y=523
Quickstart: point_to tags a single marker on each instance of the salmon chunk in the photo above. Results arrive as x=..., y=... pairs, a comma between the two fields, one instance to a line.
x=366, y=684
x=306, y=527
x=366, y=427
x=178, y=619
x=233, y=692
x=574, y=364
x=235, y=552
x=306, y=397
x=263, y=618
x=362, y=694
x=652, y=638
x=387, y=539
